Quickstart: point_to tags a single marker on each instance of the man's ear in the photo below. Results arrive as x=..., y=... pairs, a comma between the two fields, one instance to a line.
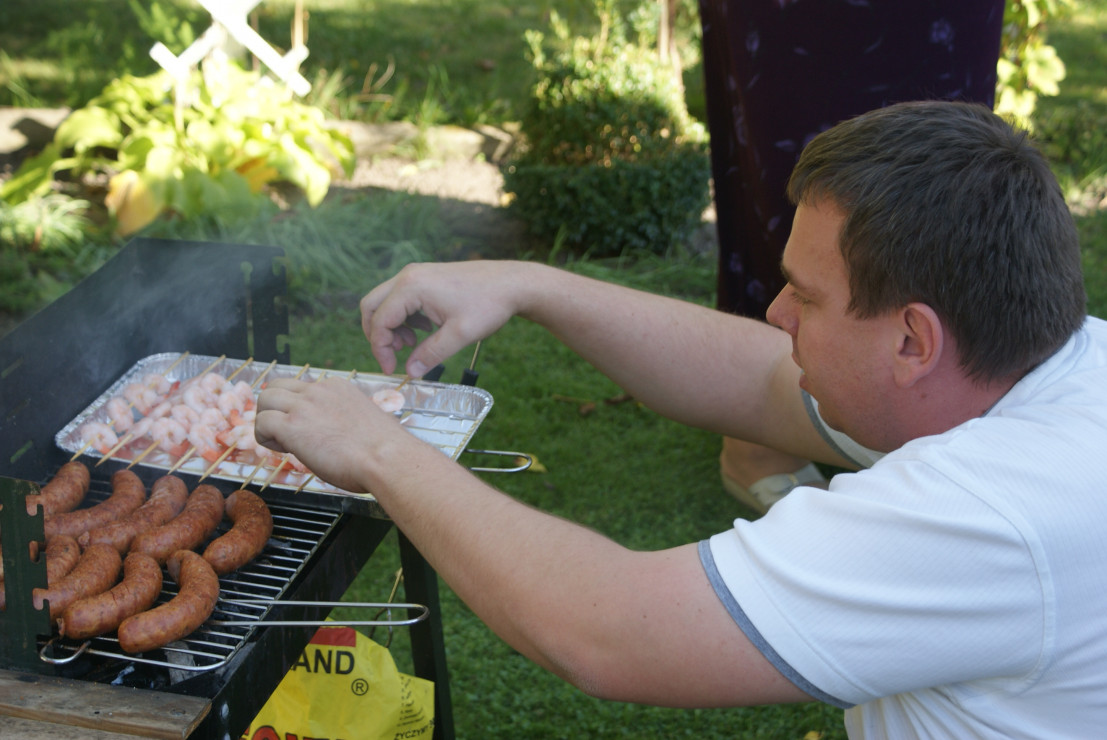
x=921, y=343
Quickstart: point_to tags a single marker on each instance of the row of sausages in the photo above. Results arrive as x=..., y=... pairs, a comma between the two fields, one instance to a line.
x=130, y=535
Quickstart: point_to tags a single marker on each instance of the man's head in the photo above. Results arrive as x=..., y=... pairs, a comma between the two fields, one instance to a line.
x=946, y=205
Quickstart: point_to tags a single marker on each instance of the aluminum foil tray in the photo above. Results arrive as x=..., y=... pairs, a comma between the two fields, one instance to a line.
x=443, y=415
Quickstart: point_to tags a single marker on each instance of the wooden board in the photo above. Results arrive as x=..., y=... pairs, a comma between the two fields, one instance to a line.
x=29, y=729
x=112, y=711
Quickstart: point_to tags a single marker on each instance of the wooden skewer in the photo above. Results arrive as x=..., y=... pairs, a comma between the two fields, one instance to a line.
x=142, y=456
x=404, y=382
x=176, y=362
x=121, y=443
x=81, y=451
x=243, y=366
x=182, y=460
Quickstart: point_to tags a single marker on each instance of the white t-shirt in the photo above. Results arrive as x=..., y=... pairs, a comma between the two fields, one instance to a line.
x=958, y=587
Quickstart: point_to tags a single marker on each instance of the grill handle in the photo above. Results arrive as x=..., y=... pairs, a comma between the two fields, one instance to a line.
x=527, y=459
x=380, y=607
x=423, y=612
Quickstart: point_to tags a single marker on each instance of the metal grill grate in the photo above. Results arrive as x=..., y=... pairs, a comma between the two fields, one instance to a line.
x=245, y=597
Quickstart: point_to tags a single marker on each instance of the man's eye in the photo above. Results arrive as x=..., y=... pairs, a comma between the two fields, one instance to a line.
x=799, y=299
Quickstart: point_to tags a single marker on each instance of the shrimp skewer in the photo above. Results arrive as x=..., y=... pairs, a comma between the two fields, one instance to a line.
x=237, y=434
x=155, y=411
x=202, y=384
x=99, y=435
x=167, y=432
x=164, y=375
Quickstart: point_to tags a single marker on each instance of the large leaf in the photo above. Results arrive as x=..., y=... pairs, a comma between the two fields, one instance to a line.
x=300, y=167
x=88, y=128
x=132, y=202
x=34, y=176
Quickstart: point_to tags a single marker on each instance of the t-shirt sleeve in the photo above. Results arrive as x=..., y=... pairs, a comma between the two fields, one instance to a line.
x=860, y=592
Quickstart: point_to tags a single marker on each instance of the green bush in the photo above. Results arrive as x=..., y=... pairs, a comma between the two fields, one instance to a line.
x=611, y=160
x=1027, y=66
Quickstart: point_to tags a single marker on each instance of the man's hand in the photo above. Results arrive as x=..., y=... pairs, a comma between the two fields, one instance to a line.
x=459, y=302
x=333, y=427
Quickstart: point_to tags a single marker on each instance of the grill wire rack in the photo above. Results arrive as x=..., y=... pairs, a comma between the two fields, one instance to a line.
x=246, y=598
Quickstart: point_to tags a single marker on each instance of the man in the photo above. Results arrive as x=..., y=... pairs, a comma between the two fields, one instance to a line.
x=773, y=78
x=932, y=326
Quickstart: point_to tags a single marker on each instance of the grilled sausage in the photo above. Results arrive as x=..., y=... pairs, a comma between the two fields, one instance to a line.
x=181, y=615
x=252, y=524
x=201, y=515
x=128, y=493
x=62, y=554
x=104, y=612
x=167, y=499
x=95, y=572
x=64, y=492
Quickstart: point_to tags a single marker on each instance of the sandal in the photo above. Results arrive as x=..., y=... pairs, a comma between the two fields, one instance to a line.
x=762, y=494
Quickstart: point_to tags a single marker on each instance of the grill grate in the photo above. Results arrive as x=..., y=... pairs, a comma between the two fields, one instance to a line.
x=246, y=595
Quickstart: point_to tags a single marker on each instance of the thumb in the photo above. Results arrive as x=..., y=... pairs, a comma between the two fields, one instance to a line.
x=434, y=349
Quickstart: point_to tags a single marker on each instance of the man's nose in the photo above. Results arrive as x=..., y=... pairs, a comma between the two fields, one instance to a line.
x=778, y=314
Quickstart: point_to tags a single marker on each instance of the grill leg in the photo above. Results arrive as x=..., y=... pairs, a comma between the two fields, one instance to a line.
x=428, y=648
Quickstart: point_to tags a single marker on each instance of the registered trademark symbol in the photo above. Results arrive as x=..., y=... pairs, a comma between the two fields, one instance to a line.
x=360, y=687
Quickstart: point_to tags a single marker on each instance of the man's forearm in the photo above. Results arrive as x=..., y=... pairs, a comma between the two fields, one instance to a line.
x=688, y=362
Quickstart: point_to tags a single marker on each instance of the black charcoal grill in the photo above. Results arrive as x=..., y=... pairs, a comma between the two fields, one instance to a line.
x=218, y=299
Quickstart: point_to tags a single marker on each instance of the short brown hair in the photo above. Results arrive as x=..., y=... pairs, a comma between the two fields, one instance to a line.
x=948, y=205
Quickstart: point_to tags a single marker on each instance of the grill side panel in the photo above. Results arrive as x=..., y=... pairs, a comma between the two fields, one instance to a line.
x=153, y=296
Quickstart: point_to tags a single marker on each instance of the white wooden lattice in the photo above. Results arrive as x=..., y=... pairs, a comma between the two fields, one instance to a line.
x=229, y=18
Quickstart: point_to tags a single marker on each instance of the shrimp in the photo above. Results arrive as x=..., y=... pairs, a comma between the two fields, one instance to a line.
x=161, y=410
x=281, y=461
x=245, y=391
x=119, y=414
x=157, y=383
x=99, y=435
x=185, y=414
x=203, y=438
x=229, y=403
x=389, y=400
x=214, y=419
x=197, y=398
x=169, y=435
x=141, y=427
x=240, y=437
x=215, y=383
x=141, y=397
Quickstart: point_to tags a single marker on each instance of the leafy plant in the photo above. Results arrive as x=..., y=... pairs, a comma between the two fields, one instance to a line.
x=1027, y=66
x=211, y=147
x=612, y=158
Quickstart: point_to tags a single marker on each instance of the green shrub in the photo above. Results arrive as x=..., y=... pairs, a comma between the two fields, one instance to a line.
x=1027, y=66
x=611, y=159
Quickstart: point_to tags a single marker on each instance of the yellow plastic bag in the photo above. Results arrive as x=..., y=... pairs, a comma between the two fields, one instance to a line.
x=346, y=686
